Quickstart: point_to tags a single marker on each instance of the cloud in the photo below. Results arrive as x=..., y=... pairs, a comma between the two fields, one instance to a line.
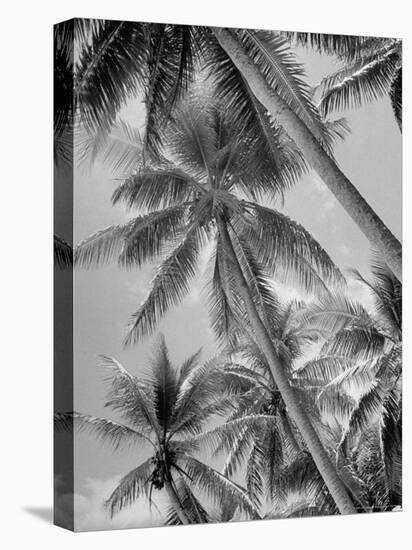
x=327, y=200
x=90, y=513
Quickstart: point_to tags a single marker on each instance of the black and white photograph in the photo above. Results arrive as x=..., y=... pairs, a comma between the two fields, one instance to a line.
x=234, y=253
x=205, y=238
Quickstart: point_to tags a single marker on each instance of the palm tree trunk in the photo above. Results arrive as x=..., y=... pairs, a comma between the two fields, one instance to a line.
x=294, y=407
x=174, y=499
x=345, y=192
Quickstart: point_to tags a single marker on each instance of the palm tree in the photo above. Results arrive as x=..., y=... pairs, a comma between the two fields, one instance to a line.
x=247, y=375
x=253, y=71
x=370, y=68
x=249, y=56
x=199, y=199
x=162, y=412
x=357, y=380
x=278, y=465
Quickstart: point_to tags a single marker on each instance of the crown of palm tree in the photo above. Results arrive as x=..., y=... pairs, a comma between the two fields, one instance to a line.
x=163, y=411
x=117, y=60
x=264, y=450
x=213, y=176
x=371, y=68
x=357, y=379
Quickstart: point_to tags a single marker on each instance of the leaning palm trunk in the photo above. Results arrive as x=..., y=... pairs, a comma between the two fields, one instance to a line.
x=295, y=409
x=344, y=191
x=175, y=502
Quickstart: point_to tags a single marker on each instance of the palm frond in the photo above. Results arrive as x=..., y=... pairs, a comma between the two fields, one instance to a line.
x=120, y=150
x=372, y=405
x=238, y=454
x=129, y=396
x=301, y=477
x=201, y=387
x=156, y=188
x=363, y=343
x=387, y=294
x=63, y=253
x=270, y=153
x=225, y=436
x=283, y=245
x=63, y=104
x=322, y=370
x=259, y=283
x=355, y=379
x=133, y=485
x=110, y=71
x=395, y=94
x=172, y=52
x=102, y=247
x=170, y=285
x=392, y=445
x=108, y=432
x=370, y=82
x=338, y=129
x=188, y=365
x=164, y=383
x=343, y=46
x=217, y=487
x=271, y=53
x=334, y=403
x=254, y=475
x=193, y=140
x=133, y=243
x=333, y=312
x=190, y=504
x=239, y=378
x=223, y=301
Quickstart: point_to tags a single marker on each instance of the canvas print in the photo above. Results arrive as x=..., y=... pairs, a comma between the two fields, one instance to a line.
x=228, y=280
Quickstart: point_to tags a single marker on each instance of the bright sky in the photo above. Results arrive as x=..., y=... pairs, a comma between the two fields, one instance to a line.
x=105, y=298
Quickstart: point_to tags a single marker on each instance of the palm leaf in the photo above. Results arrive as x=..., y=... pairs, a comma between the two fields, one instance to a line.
x=200, y=388
x=107, y=431
x=120, y=150
x=283, y=245
x=395, y=94
x=190, y=504
x=258, y=282
x=63, y=253
x=164, y=383
x=271, y=53
x=156, y=188
x=216, y=486
x=223, y=301
x=225, y=436
x=362, y=343
x=133, y=243
x=368, y=83
x=133, y=485
x=188, y=365
x=343, y=46
x=170, y=285
x=270, y=153
x=322, y=370
x=109, y=72
x=172, y=51
x=130, y=397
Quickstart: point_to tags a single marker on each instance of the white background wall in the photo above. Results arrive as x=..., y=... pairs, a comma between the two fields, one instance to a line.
x=26, y=271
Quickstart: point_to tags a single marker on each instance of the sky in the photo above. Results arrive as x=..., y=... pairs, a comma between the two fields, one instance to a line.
x=105, y=298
